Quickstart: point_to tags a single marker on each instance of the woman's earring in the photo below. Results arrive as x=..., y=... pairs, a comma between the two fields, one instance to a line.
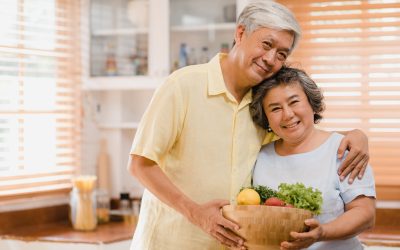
x=269, y=129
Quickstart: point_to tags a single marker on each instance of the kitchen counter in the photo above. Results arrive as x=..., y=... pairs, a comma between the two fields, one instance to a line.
x=112, y=232
x=63, y=232
x=382, y=236
x=57, y=229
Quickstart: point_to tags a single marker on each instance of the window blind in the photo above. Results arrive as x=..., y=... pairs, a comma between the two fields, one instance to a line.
x=352, y=50
x=39, y=96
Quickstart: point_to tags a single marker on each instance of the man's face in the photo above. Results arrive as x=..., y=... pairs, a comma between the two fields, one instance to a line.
x=262, y=53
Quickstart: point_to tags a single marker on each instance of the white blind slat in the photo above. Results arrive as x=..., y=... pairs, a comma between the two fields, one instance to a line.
x=39, y=98
x=351, y=49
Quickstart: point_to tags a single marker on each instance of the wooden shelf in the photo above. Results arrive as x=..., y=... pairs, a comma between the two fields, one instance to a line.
x=122, y=83
x=122, y=125
x=182, y=28
x=204, y=27
x=120, y=32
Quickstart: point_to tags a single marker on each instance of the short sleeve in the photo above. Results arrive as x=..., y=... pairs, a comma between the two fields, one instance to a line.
x=161, y=123
x=365, y=186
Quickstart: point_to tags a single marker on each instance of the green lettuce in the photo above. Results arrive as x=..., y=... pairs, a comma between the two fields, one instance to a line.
x=301, y=197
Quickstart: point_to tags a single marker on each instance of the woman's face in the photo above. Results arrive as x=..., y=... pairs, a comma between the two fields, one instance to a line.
x=289, y=113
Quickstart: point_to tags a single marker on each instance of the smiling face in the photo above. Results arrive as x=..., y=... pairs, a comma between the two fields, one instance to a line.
x=289, y=112
x=262, y=53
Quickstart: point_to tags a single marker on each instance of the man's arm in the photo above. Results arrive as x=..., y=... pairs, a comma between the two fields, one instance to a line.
x=207, y=216
x=357, y=159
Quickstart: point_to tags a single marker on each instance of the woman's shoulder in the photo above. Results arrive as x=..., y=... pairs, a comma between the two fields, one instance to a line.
x=334, y=139
x=268, y=149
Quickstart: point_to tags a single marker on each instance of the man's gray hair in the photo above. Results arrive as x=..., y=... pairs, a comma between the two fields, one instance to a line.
x=269, y=14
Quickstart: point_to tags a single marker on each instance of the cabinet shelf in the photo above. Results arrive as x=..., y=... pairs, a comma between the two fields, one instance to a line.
x=122, y=83
x=120, y=32
x=121, y=125
x=204, y=27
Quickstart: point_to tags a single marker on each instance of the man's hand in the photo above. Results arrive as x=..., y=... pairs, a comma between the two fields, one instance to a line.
x=357, y=159
x=304, y=240
x=209, y=218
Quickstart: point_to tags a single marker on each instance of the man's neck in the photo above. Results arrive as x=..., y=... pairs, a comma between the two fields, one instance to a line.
x=231, y=77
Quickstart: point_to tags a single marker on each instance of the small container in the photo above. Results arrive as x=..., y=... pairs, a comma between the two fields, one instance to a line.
x=183, y=55
x=204, y=55
x=136, y=207
x=83, y=210
x=224, y=48
x=125, y=209
x=103, y=206
x=83, y=203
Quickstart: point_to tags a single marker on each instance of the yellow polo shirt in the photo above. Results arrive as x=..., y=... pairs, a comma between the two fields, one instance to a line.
x=204, y=141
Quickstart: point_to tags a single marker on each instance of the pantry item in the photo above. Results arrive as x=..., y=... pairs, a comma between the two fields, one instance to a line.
x=83, y=203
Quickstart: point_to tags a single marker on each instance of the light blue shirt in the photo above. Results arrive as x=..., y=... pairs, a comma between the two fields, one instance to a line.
x=317, y=169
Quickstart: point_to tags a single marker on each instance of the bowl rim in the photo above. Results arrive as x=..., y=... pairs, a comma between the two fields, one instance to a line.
x=233, y=207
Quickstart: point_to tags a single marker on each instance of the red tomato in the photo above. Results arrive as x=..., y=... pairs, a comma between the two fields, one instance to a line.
x=273, y=201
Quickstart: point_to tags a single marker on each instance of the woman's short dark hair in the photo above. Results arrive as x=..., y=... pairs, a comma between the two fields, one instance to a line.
x=286, y=76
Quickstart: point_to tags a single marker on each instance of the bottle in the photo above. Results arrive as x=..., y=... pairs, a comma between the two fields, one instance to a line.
x=204, y=55
x=183, y=55
x=192, y=57
x=125, y=208
x=136, y=209
x=111, y=65
x=224, y=48
x=175, y=66
x=103, y=206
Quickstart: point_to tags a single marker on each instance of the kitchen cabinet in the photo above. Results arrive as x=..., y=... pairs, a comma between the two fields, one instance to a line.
x=131, y=47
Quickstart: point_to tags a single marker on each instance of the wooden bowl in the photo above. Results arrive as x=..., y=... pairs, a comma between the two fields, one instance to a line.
x=265, y=227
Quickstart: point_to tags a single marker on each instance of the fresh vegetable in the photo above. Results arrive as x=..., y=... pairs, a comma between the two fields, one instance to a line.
x=265, y=192
x=248, y=196
x=301, y=196
x=288, y=195
x=273, y=201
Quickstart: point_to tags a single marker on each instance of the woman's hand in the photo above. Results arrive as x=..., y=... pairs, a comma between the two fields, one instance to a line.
x=304, y=240
x=209, y=218
x=357, y=159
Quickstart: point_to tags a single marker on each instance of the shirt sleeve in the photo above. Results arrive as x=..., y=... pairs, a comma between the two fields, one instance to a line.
x=270, y=137
x=365, y=186
x=161, y=123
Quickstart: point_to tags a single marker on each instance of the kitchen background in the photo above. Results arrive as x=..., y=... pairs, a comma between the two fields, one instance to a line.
x=76, y=77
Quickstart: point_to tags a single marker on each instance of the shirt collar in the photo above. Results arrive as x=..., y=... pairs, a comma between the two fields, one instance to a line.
x=216, y=83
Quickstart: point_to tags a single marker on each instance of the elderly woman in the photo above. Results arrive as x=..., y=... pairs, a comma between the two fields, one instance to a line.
x=290, y=104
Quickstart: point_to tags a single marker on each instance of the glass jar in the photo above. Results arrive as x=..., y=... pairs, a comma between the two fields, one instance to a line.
x=126, y=209
x=83, y=209
x=103, y=206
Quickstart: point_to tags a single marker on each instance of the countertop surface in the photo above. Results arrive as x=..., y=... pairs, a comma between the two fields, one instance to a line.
x=119, y=231
x=63, y=232
x=382, y=236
